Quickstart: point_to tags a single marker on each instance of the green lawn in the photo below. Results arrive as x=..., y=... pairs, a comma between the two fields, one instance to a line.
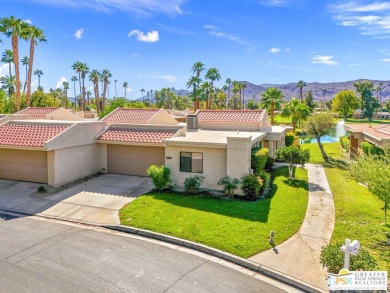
x=351, y=120
x=239, y=227
x=281, y=120
x=333, y=150
x=359, y=214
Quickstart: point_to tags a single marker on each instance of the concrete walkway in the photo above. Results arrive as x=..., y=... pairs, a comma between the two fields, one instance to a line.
x=299, y=256
x=96, y=201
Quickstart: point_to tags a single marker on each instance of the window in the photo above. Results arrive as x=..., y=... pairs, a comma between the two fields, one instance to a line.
x=191, y=162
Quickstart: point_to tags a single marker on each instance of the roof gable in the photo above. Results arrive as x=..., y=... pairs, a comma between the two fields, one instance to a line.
x=227, y=116
x=130, y=115
x=28, y=135
x=37, y=111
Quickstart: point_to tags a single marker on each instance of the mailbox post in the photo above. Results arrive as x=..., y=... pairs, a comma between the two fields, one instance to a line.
x=350, y=248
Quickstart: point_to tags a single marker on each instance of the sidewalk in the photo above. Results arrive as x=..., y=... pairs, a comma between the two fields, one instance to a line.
x=299, y=256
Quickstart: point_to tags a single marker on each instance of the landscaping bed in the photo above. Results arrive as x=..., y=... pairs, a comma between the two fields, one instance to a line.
x=235, y=226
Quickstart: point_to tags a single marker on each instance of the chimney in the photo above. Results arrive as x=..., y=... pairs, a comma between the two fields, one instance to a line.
x=192, y=121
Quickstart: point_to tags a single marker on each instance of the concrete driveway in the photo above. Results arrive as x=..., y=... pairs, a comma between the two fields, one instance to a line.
x=96, y=201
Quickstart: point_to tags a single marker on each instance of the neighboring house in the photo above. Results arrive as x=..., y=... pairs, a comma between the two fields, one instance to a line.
x=377, y=134
x=219, y=143
x=52, y=152
x=139, y=116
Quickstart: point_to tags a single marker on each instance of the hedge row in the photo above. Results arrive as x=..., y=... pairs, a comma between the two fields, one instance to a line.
x=345, y=142
x=370, y=149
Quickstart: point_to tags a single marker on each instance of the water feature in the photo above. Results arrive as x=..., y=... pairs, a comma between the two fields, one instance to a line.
x=333, y=136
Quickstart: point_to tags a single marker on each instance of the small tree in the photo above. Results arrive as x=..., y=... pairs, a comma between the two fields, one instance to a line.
x=292, y=155
x=161, y=176
x=229, y=184
x=374, y=171
x=333, y=259
x=345, y=102
x=319, y=125
x=192, y=184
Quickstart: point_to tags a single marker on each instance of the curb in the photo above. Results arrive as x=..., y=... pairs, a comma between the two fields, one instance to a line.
x=286, y=279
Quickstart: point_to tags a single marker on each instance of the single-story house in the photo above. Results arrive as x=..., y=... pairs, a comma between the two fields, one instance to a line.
x=53, y=152
x=377, y=134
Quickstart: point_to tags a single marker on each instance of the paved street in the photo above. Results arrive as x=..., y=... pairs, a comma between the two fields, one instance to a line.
x=45, y=256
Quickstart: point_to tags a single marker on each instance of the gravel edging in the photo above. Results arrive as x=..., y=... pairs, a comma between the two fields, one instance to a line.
x=286, y=279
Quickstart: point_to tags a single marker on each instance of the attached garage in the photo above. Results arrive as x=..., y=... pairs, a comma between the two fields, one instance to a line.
x=133, y=160
x=23, y=165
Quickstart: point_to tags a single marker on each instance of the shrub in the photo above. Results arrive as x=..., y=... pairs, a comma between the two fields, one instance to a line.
x=42, y=189
x=266, y=178
x=270, y=163
x=292, y=155
x=291, y=139
x=345, y=142
x=259, y=159
x=161, y=176
x=251, y=186
x=370, y=149
x=333, y=259
x=229, y=184
x=192, y=184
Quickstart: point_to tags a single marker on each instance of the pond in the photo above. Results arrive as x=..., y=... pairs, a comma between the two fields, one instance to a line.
x=333, y=136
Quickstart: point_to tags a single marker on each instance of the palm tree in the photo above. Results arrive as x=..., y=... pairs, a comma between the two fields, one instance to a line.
x=271, y=100
x=76, y=66
x=94, y=76
x=66, y=88
x=84, y=70
x=125, y=85
x=38, y=73
x=297, y=110
x=212, y=75
x=228, y=82
x=243, y=87
x=74, y=79
x=8, y=57
x=380, y=93
x=142, y=92
x=25, y=63
x=35, y=35
x=148, y=93
x=300, y=85
x=106, y=74
x=116, y=92
x=88, y=93
x=197, y=68
x=151, y=93
x=8, y=84
x=193, y=83
x=14, y=28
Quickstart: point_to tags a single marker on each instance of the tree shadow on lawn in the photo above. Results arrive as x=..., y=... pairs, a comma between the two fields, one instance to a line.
x=255, y=211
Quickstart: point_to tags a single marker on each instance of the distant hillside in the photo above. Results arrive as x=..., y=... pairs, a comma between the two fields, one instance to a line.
x=290, y=89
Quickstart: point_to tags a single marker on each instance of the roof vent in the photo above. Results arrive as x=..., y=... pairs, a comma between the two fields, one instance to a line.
x=192, y=121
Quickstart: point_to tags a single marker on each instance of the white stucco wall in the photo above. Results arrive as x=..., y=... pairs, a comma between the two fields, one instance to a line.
x=70, y=164
x=238, y=156
x=162, y=117
x=214, y=164
x=63, y=114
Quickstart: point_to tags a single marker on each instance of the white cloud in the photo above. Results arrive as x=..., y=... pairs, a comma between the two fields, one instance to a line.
x=60, y=83
x=4, y=70
x=274, y=50
x=150, y=37
x=327, y=60
x=210, y=27
x=145, y=8
x=27, y=21
x=167, y=77
x=129, y=89
x=79, y=33
x=386, y=60
x=371, y=19
x=274, y=2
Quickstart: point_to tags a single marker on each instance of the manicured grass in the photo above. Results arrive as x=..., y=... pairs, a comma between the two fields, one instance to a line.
x=239, y=227
x=281, y=120
x=359, y=214
x=333, y=150
x=351, y=120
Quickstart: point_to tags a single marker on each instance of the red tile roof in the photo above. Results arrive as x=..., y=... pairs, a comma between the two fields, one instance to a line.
x=37, y=111
x=230, y=115
x=126, y=115
x=28, y=135
x=137, y=135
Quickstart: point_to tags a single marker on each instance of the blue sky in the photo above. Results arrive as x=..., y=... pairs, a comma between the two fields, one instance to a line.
x=153, y=43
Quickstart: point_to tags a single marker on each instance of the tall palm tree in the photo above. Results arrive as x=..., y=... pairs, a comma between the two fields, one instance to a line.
x=125, y=85
x=25, y=63
x=38, y=73
x=300, y=85
x=84, y=71
x=66, y=88
x=148, y=93
x=228, y=82
x=193, y=83
x=297, y=110
x=88, y=93
x=142, y=92
x=243, y=87
x=197, y=69
x=14, y=28
x=94, y=76
x=151, y=93
x=74, y=79
x=116, y=92
x=271, y=100
x=35, y=35
x=212, y=75
x=8, y=57
x=77, y=66
x=106, y=74
x=8, y=83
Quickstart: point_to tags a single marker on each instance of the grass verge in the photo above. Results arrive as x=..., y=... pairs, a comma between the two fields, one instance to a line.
x=239, y=227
